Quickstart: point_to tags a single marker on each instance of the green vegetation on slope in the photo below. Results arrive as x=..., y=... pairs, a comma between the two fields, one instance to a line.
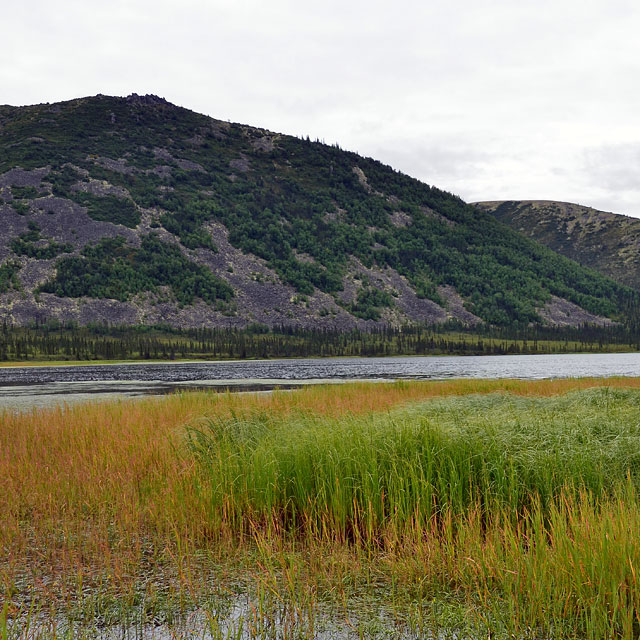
x=109, y=209
x=106, y=208
x=26, y=244
x=111, y=269
x=9, y=276
x=606, y=242
x=282, y=198
x=369, y=301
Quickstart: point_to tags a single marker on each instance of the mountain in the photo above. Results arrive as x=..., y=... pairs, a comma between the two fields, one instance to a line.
x=607, y=242
x=136, y=211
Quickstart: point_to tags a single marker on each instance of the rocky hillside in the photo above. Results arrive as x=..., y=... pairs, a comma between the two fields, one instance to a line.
x=608, y=242
x=135, y=211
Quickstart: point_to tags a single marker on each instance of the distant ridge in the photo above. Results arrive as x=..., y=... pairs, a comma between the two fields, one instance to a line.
x=607, y=242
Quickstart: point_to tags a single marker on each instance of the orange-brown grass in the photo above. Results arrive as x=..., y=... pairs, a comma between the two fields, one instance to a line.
x=79, y=477
x=108, y=489
x=359, y=398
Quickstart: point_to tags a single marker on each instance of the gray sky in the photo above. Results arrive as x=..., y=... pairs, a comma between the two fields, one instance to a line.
x=492, y=100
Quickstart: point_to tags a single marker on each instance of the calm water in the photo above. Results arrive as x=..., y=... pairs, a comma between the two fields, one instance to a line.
x=24, y=387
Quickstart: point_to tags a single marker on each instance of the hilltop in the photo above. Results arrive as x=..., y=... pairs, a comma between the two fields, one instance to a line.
x=136, y=211
x=607, y=242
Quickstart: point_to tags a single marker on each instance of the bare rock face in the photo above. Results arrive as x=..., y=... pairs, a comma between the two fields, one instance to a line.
x=146, y=100
x=101, y=188
x=364, y=182
x=35, y=272
x=400, y=219
x=187, y=165
x=240, y=164
x=81, y=310
x=455, y=306
x=266, y=144
x=162, y=154
x=66, y=221
x=562, y=313
x=120, y=165
x=22, y=178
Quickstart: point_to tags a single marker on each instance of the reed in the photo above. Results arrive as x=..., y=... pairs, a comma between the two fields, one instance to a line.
x=507, y=508
x=353, y=476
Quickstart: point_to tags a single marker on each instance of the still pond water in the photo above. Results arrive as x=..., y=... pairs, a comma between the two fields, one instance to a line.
x=27, y=387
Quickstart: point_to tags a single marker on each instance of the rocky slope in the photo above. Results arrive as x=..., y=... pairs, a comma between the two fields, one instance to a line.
x=135, y=211
x=607, y=242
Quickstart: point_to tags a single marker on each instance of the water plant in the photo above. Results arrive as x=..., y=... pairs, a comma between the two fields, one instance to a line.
x=472, y=508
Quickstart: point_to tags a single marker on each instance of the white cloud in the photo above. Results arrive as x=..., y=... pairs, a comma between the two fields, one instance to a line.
x=491, y=99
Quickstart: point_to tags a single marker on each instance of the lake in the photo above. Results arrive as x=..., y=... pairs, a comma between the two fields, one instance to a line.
x=27, y=387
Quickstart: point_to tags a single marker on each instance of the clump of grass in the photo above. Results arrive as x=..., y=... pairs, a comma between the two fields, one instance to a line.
x=353, y=477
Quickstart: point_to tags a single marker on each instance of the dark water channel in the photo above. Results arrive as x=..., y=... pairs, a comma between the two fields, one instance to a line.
x=26, y=387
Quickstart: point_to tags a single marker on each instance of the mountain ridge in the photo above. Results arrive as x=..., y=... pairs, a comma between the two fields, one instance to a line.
x=605, y=241
x=135, y=211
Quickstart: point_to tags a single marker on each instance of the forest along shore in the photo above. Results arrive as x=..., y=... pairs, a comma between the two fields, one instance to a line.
x=71, y=343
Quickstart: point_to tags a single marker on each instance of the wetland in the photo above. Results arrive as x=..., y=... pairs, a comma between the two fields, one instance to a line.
x=466, y=508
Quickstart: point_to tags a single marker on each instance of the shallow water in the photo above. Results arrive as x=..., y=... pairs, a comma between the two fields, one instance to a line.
x=27, y=387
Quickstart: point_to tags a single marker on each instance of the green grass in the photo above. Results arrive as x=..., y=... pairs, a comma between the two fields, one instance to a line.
x=354, y=476
x=286, y=516
x=520, y=482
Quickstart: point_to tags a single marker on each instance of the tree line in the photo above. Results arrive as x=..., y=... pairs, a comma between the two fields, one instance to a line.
x=53, y=341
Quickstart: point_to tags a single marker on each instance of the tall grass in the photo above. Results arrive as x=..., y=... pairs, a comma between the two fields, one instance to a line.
x=512, y=514
x=354, y=476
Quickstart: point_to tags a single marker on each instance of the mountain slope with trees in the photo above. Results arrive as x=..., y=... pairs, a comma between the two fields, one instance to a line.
x=607, y=242
x=136, y=211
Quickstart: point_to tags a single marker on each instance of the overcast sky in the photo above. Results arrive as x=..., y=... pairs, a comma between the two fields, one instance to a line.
x=492, y=100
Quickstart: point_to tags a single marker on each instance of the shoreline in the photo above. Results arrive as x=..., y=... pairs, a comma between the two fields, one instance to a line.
x=43, y=364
